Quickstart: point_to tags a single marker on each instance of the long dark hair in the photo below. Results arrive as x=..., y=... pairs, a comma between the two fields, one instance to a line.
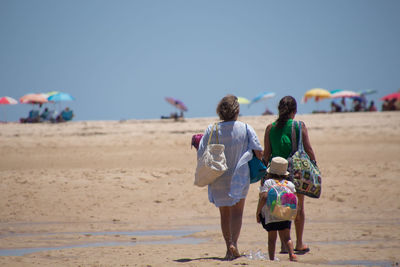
x=286, y=106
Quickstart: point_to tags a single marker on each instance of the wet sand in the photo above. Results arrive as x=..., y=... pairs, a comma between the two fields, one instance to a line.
x=110, y=193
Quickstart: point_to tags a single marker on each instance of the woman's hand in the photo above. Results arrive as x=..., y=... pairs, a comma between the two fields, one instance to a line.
x=259, y=154
x=258, y=217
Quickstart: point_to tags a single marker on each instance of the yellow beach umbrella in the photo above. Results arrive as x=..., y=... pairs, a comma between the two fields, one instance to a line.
x=316, y=93
x=243, y=100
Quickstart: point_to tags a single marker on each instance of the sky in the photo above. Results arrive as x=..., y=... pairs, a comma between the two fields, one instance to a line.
x=120, y=59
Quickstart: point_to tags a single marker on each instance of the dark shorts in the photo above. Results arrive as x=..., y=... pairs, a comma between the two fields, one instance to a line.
x=275, y=226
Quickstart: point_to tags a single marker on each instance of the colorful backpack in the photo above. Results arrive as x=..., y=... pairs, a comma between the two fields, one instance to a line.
x=282, y=203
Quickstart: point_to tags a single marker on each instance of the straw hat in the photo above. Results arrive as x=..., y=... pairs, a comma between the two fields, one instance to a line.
x=278, y=166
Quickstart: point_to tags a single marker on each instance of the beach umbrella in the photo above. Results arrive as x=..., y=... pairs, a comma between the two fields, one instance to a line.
x=262, y=96
x=243, y=100
x=335, y=91
x=367, y=92
x=6, y=100
x=48, y=94
x=33, y=99
x=344, y=93
x=51, y=93
x=59, y=97
x=176, y=103
x=316, y=93
x=391, y=96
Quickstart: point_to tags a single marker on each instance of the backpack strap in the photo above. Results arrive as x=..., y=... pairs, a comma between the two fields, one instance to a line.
x=277, y=182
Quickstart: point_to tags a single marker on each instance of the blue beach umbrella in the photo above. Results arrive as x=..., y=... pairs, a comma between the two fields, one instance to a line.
x=367, y=92
x=263, y=96
x=335, y=91
x=344, y=93
x=59, y=97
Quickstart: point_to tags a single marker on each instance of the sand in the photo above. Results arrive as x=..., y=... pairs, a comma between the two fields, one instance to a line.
x=88, y=193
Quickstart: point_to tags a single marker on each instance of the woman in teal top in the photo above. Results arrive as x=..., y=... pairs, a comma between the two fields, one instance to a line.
x=278, y=143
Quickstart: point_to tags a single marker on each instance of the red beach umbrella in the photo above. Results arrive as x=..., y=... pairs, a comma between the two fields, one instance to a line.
x=391, y=96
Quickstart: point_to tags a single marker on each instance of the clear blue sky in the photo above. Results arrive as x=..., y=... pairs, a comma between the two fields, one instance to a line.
x=119, y=59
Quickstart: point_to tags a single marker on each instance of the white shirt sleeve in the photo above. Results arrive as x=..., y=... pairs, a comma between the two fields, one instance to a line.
x=267, y=185
x=254, y=143
x=291, y=187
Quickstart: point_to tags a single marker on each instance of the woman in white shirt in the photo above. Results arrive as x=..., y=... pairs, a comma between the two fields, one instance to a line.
x=228, y=192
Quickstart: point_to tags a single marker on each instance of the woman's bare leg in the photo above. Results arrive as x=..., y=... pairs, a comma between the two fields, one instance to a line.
x=231, y=223
x=299, y=223
x=236, y=225
x=226, y=229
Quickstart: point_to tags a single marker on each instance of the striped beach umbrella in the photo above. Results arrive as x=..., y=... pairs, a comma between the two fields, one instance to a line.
x=6, y=100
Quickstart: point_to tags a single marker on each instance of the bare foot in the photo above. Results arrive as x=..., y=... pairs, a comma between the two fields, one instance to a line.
x=234, y=251
x=293, y=257
x=228, y=256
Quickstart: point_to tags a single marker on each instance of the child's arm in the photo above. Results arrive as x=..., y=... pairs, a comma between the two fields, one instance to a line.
x=261, y=202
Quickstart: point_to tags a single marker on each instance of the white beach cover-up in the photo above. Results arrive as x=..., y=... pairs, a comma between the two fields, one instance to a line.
x=233, y=185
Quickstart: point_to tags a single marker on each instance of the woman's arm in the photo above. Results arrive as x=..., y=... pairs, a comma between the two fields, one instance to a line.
x=267, y=145
x=203, y=142
x=306, y=142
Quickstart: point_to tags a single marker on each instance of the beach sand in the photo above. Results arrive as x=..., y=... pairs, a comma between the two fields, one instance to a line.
x=121, y=193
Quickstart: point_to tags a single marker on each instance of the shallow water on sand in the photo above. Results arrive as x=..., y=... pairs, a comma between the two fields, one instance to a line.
x=180, y=234
x=364, y=263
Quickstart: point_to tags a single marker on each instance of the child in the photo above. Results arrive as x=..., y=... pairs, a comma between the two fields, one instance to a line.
x=276, y=173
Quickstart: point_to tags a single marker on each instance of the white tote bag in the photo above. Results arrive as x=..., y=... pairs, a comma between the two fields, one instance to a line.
x=212, y=163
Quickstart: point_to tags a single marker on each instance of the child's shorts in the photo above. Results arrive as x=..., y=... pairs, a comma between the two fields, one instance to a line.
x=275, y=226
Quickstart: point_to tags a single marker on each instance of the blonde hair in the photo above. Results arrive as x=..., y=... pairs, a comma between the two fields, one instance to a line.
x=228, y=108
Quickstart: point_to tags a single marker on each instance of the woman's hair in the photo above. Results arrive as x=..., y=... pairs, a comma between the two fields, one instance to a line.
x=228, y=108
x=286, y=106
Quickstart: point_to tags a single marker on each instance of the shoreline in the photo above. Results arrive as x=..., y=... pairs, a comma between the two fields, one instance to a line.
x=212, y=117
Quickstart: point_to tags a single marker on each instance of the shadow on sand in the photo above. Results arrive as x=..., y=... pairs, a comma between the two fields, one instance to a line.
x=197, y=259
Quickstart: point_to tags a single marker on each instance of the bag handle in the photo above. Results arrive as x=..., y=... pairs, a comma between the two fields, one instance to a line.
x=300, y=146
x=216, y=132
x=294, y=140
